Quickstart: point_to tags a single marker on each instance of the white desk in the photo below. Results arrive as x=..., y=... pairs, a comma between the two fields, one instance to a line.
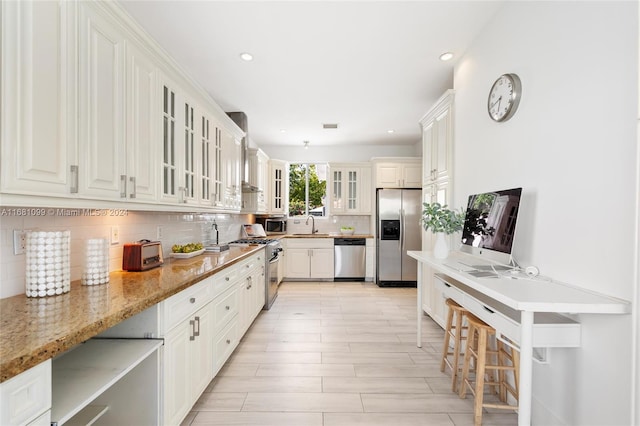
x=498, y=301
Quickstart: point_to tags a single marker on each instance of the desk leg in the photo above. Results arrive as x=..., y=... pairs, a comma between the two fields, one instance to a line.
x=419, y=306
x=526, y=368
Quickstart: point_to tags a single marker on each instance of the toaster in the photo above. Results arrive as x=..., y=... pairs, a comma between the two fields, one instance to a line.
x=141, y=255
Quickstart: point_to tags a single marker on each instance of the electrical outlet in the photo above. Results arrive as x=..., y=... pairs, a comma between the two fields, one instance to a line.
x=158, y=233
x=19, y=241
x=115, y=235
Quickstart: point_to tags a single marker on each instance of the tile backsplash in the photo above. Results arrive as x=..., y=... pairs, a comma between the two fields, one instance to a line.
x=174, y=228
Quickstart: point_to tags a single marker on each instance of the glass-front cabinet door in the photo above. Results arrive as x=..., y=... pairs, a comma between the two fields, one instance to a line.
x=350, y=188
x=169, y=160
x=336, y=187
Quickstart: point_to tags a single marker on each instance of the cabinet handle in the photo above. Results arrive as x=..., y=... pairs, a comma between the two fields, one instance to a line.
x=132, y=179
x=193, y=330
x=490, y=310
x=196, y=332
x=74, y=180
x=248, y=283
x=192, y=300
x=123, y=186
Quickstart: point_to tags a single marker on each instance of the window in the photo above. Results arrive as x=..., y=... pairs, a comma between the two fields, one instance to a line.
x=307, y=189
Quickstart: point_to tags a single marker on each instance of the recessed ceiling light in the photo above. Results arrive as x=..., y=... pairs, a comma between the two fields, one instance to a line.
x=446, y=56
x=283, y=130
x=390, y=131
x=246, y=56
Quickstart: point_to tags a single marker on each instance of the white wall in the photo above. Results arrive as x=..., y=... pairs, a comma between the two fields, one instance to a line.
x=572, y=147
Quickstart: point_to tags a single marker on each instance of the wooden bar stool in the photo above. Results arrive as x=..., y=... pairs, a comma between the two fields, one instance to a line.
x=453, y=331
x=487, y=361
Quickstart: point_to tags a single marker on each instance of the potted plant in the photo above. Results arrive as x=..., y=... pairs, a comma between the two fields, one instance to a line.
x=441, y=220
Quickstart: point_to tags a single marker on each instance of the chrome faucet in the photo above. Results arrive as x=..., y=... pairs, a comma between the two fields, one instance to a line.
x=313, y=223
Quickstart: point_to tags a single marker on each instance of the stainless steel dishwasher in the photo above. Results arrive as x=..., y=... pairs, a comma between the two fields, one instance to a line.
x=349, y=259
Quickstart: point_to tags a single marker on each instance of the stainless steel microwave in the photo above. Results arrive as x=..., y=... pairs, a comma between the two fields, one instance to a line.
x=275, y=226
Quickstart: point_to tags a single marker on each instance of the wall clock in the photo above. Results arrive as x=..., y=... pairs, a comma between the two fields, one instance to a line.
x=504, y=97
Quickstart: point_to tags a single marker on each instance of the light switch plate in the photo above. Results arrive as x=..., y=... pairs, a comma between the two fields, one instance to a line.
x=115, y=235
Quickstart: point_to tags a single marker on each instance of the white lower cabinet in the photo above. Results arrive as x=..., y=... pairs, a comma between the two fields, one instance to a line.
x=200, y=342
x=27, y=396
x=188, y=368
x=251, y=289
x=309, y=258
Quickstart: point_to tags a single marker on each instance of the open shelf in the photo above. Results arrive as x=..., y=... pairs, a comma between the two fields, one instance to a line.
x=86, y=372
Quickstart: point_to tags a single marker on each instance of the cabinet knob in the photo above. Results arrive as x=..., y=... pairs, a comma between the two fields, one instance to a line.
x=226, y=278
x=227, y=307
x=192, y=300
x=228, y=341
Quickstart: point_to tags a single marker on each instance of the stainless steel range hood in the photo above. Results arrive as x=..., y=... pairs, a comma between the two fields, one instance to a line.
x=240, y=118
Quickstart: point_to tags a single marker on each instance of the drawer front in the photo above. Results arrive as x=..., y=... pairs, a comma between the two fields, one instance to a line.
x=222, y=280
x=26, y=396
x=180, y=306
x=495, y=319
x=225, y=307
x=449, y=291
x=224, y=344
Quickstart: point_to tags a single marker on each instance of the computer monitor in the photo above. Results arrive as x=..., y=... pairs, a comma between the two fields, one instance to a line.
x=490, y=224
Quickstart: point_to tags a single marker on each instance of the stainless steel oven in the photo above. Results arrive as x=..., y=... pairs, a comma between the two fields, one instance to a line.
x=273, y=278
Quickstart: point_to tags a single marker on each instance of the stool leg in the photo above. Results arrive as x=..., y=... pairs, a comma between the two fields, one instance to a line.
x=515, y=355
x=471, y=335
x=480, y=371
x=502, y=357
x=456, y=352
x=447, y=336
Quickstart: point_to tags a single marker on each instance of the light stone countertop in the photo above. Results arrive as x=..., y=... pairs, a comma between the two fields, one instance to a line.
x=33, y=330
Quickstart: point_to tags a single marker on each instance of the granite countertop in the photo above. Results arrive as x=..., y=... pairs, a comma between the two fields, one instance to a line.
x=33, y=330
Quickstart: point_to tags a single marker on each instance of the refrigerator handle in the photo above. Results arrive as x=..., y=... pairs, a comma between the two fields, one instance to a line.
x=401, y=214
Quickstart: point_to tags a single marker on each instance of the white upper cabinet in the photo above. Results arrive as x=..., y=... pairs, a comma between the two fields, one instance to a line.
x=141, y=124
x=38, y=92
x=101, y=109
x=278, y=178
x=169, y=159
x=231, y=171
x=398, y=173
x=437, y=140
x=112, y=119
x=206, y=140
x=350, y=188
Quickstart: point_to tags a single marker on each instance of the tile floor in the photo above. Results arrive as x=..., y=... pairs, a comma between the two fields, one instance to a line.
x=337, y=354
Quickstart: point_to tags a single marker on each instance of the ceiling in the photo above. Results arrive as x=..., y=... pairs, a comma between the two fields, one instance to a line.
x=368, y=66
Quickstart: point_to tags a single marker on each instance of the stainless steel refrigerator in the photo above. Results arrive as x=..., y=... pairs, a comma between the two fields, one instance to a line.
x=398, y=230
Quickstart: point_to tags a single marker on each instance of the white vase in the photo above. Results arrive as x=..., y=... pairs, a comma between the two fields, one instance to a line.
x=441, y=247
